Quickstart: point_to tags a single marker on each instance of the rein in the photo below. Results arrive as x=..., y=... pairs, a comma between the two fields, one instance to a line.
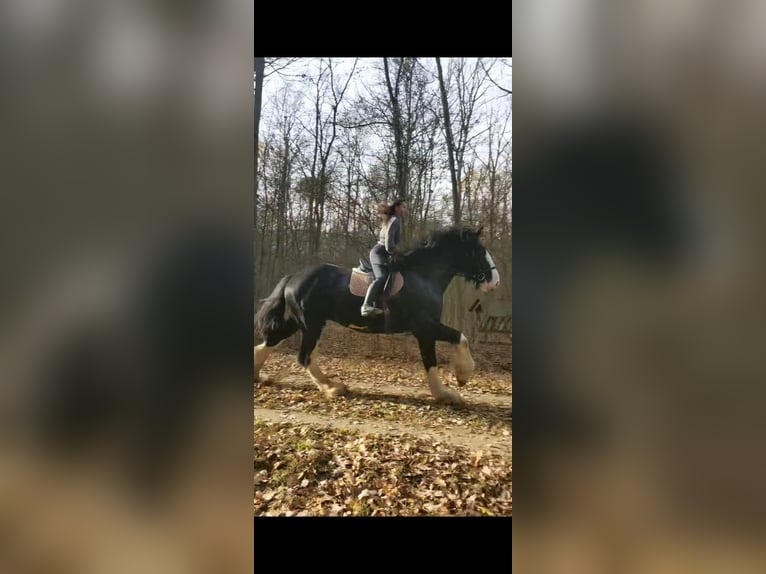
x=479, y=277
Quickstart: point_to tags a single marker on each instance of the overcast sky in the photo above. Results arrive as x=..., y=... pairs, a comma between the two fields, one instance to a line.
x=367, y=73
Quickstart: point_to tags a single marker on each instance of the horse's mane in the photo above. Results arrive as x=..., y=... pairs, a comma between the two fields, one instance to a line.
x=425, y=250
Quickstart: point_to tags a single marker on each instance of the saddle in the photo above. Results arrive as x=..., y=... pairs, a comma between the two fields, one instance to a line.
x=362, y=276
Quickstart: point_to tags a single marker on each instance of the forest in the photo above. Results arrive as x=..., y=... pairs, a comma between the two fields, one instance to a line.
x=336, y=136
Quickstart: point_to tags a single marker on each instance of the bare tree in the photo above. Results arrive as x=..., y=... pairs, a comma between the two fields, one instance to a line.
x=328, y=91
x=456, y=199
x=468, y=84
x=260, y=65
x=423, y=158
x=330, y=152
x=488, y=69
x=262, y=69
x=498, y=148
x=282, y=147
x=394, y=90
x=350, y=155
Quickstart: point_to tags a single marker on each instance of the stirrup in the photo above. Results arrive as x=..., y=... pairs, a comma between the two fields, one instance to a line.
x=371, y=311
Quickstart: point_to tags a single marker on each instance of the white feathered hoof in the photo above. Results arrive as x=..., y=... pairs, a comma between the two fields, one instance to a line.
x=449, y=397
x=336, y=390
x=464, y=363
x=463, y=372
x=264, y=379
x=441, y=394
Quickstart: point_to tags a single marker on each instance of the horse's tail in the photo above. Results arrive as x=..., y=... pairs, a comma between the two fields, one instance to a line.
x=274, y=312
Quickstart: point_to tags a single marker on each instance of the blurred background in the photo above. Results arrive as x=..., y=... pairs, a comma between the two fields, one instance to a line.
x=127, y=289
x=638, y=283
x=126, y=167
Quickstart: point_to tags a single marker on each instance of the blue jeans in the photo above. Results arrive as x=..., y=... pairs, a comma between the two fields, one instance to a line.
x=379, y=262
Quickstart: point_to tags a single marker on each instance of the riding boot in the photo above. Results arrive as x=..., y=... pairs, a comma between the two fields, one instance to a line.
x=368, y=308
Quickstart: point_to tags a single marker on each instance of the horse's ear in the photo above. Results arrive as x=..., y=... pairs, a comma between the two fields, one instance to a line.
x=478, y=231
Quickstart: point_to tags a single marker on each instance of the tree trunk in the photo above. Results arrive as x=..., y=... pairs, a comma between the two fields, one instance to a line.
x=398, y=129
x=319, y=215
x=260, y=65
x=456, y=211
x=492, y=201
x=284, y=184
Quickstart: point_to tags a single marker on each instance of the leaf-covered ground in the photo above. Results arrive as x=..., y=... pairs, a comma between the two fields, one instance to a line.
x=386, y=448
x=310, y=471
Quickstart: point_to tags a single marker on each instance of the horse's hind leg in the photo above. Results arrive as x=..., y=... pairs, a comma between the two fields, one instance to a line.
x=308, y=344
x=261, y=352
x=463, y=363
x=440, y=393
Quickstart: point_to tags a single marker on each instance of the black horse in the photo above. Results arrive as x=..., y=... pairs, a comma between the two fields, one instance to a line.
x=306, y=300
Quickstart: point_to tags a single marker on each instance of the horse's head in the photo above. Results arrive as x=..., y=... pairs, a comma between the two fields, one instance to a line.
x=474, y=261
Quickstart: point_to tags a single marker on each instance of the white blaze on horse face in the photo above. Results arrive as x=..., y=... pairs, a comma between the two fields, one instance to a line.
x=493, y=281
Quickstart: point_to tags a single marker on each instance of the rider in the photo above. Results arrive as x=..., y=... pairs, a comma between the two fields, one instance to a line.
x=390, y=236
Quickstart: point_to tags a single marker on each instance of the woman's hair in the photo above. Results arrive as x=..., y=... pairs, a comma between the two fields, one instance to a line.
x=386, y=211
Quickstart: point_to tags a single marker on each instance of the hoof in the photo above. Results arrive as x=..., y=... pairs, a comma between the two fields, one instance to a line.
x=463, y=374
x=337, y=390
x=450, y=398
x=264, y=379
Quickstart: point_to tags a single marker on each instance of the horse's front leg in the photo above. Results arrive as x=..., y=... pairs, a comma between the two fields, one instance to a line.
x=464, y=364
x=440, y=393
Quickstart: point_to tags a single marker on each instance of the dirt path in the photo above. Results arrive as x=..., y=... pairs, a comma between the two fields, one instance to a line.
x=414, y=389
x=388, y=394
x=386, y=448
x=456, y=436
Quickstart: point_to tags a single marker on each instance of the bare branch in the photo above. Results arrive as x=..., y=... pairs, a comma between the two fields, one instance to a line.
x=498, y=86
x=277, y=65
x=363, y=125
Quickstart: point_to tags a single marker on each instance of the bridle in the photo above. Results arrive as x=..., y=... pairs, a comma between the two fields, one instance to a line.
x=481, y=276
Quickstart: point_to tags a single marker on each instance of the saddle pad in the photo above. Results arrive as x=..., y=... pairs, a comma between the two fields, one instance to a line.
x=361, y=281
